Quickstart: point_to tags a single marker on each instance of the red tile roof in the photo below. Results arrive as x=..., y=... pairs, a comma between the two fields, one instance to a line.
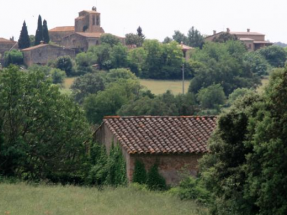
x=63, y=28
x=90, y=35
x=3, y=40
x=162, y=134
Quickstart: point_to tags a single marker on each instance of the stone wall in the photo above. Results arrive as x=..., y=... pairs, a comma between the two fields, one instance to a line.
x=6, y=46
x=76, y=42
x=57, y=36
x=44, y=54
x=170, y=166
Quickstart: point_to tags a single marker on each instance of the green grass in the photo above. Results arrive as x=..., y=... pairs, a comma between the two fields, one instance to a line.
x=161, y=86
x=155, y=86
x=264, y=82
x=34, y=200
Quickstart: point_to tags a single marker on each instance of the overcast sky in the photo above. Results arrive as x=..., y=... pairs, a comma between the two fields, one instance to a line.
x=158, y=18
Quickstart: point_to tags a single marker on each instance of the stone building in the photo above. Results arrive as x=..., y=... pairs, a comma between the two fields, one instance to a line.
x=252, y=40
x=6, y=45
x=85, y=33
x=43, y=53
x=175, y=143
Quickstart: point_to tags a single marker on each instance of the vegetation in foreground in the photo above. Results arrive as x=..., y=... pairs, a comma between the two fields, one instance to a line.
x=27, y=199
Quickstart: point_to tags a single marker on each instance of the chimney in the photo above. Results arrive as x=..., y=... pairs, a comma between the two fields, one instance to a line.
x=227, y=30
x=248, y=29
x=214, y=32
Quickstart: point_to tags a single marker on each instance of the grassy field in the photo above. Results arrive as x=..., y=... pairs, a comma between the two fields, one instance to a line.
x=53, y=200
x=161, y=86
x=155, y=86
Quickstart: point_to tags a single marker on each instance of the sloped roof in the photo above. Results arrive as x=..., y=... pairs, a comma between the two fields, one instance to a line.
x=34, y=47
x=3, y=40
x=162, y=134
x=63, y=28
x=246, y=33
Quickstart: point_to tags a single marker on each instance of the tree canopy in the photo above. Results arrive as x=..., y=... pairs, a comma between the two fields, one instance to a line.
x=24, y=40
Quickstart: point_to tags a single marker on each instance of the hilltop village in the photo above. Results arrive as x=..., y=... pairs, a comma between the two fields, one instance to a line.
x=193, y=117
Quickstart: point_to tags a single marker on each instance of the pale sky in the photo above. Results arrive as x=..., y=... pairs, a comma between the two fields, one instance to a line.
x=158, y=18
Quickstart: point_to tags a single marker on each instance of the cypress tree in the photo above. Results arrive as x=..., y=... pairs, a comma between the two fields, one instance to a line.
x=46, y=37
x=140, y=175
x=154, y=180
x=39, y=32
x=24, y=40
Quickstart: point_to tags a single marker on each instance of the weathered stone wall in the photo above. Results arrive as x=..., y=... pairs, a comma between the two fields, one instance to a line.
x=75, y=41
x=57, y=36
x=43, y=55
x=6, y=46
x=170, y=166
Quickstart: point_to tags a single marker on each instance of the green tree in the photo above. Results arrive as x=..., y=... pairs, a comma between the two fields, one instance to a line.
x=58, y=76
x=136, y=60
x=194, y=38
x=224, y=37
x=65, y=63
x=223, y=169
x=46, y=37
x=87, y=84
x=211, y=97
x=140, y=174
x=167, y=40
x=13, y=57
x=266, y=164
x=257, y=63
x=109, y=101
x=109, y=39
x=24, y=40
x=44, y=132
x=140, y=34
x=39, y=31
x=119, y=56
x=134, y=39
x=239, y=93
x=275, y=55
x=103, y=55
x=222, y=63
x=179, y=37
x=115, y=74
x=154, y=180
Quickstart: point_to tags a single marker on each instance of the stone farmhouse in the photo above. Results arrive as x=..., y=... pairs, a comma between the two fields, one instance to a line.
x=252, y=40
x=175, y=143
x=6, y=45
x=43, y=53
x=85, y=33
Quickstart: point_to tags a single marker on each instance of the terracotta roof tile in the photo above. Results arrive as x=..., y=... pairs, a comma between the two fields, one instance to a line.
x=162, y=134
x=3, y=40
x=63, y=28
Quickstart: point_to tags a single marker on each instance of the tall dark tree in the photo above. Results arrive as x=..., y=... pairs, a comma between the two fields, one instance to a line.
x=46, y=37
x=24, y=40
x=39, y=32
x=140, y=33
x=194, y=38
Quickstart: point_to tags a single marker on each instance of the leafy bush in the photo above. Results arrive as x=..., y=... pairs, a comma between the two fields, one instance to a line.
x=13, y=57
x=154, y=180
x=65, y=63
x=192, y=188
x=211, y=97
x=139, y=175
x=57, y=76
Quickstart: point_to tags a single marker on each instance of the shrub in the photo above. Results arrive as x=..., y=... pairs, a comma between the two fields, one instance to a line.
x=65, y=63
x=58, y=76
x=191, y=188
x=154, y=180
x=140, y=175
x=13, y=57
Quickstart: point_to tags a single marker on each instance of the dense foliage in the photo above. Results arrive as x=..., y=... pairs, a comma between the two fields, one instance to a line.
x=39, y=31
x=44, y=133
x=140, y=174
x=246, y=169
x=13, y=57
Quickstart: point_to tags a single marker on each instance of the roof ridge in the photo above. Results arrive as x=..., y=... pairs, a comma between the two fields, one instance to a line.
x=149, y=116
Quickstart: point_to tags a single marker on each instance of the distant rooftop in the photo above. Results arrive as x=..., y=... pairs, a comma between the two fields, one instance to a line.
x=63, y=28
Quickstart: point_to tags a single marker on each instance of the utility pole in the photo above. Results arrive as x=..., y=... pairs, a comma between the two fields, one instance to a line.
x=183, y=77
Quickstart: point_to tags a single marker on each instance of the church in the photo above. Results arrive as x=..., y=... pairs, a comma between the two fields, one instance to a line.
x=86, y=32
